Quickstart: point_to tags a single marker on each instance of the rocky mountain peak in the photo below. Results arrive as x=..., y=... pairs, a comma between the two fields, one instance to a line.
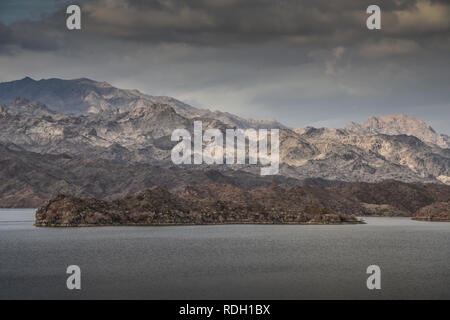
x=83, y=96
x=27, y=79
x=397, y=124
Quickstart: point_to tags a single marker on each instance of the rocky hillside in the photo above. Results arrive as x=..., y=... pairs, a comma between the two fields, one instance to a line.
x=83, y=96
x=225, y=203
x=157, y=206
x=29, y=178
x=407, y=198
x=340, y=154
x=142, y=135
x=390, y=197
x=398, y=124
x=438, y=211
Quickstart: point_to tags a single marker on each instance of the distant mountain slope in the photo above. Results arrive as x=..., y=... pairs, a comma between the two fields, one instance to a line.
x=30, y=178
x=340, y=154
x=130, y=128
x=138, y=135
x=82, y=96
x=142, y=135
x=397, y=124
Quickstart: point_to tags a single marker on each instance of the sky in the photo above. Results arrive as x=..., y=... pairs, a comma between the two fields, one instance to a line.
x=300, y=62
x=31, y=10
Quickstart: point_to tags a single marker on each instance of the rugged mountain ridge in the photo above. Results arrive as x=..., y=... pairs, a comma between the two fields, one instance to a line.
x=398, y=124
x=341, y=154
x=83, y=96
x=142, y=135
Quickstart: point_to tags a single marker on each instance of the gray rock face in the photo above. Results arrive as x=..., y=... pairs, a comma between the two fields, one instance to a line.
x=127, y=136
x=82, y=96
x=345, y=155
x=142, y=135
x=398, y=124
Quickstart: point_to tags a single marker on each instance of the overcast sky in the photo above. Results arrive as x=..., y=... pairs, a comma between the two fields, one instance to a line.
x=300, y=62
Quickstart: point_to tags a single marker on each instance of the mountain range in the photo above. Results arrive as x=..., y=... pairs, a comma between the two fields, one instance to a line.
x=90, y=139
x=82, y=96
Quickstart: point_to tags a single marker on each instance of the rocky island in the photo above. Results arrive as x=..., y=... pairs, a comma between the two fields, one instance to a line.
x=223, y=203
x=203, y=204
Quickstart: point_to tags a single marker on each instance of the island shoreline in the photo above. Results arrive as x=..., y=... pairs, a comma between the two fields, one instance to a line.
x=193, y=224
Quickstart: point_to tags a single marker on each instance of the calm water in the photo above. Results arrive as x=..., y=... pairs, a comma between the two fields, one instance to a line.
x=225, y=262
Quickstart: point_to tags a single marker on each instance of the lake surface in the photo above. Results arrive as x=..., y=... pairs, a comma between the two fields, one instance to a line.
x=225, y=262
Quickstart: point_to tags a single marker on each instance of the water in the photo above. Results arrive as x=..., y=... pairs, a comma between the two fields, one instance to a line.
x=225, y=262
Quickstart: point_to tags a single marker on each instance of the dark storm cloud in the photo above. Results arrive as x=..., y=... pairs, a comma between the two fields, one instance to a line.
x=302, y=62
x=315, y=24
x=223, y=22
x=5, y=35
x=42, y=35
